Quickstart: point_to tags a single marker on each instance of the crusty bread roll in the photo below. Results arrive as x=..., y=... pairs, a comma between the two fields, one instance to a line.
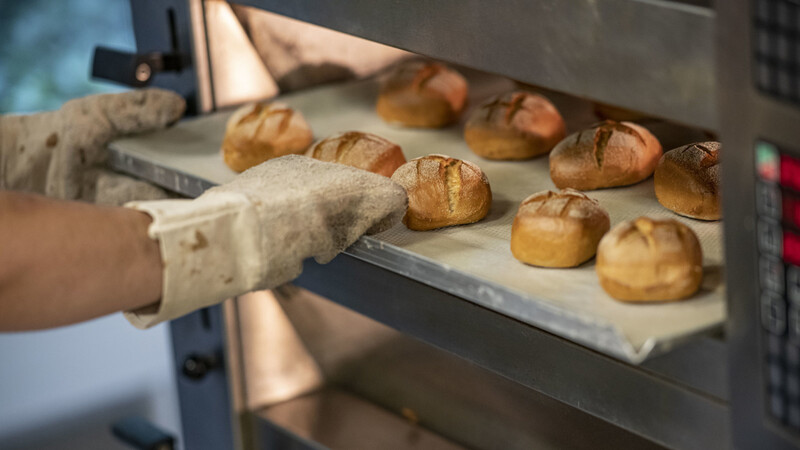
x=361, y=150
x=443, y=191
x=515, y=125
x=257, y=132
x=687, y=180
x=422, y=94
x=650, y=260
x=558, y=229
x=606, y=155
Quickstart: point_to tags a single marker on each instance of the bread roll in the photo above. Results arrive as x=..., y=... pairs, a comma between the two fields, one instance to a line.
x=361, y=150
x=422, y=94
x=650, y=260
x=606, y=155
x=260, y=131
x=558, y=229
x=516, y=125
x=443, y=191
x=687, y=180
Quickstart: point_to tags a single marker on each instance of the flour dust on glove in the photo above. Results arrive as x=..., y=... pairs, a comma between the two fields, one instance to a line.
x=61, y=153
x=255, y=232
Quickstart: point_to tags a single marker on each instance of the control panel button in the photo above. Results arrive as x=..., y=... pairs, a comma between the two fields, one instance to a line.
x=793, y=284
x=771, y=274
x=770, y=238
x=783, y=15
x=768, y=200
x=791, y=247
x=765, y=11
x=773, y=313
x=793, y=323
x=785, y=80
x=777, y=406
x=784, y=51
x=794, y=415
x=793, y=385
x=768, y=163
x=775, y=376
x=764, y=43
x=793, y=357
x=790, y=172
x=775, y=346
x=791, y=210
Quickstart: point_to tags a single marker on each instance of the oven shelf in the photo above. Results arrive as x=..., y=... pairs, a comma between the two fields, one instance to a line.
x=603, y=50
x=472, y=262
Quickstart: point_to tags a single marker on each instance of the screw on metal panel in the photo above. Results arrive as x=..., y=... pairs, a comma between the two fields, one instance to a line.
x=197, y=366
x=143, y=72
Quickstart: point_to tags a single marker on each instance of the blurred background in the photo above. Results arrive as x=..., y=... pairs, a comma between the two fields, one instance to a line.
x=61, y=389
x=46, y=49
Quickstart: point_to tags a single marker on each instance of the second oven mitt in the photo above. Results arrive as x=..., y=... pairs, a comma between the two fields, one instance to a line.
x=62, y=153
x=254, y=232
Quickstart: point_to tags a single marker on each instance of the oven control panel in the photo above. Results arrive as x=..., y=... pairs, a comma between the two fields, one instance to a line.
x=776, y=48
x=778, y=231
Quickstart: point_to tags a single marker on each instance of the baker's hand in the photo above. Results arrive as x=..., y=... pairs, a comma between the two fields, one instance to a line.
x=255, y=232
x=61, y=153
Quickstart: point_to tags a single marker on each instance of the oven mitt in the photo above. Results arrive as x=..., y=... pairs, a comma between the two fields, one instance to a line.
x=254, y=232
x=61, y=153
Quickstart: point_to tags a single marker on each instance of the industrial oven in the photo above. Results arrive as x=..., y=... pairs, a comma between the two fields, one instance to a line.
x=400, y=343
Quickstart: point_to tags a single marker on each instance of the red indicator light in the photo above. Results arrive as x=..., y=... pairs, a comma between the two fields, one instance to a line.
x=791, y=247
x=790, y=172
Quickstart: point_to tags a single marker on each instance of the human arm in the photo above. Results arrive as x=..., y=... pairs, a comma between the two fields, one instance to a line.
x=62, y=262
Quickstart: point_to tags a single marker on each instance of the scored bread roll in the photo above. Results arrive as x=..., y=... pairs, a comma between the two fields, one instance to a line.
x=558, y=229
x=687, y=180
x=515, y=125
x=606, y=155
x=443, y=191
x=422, y=94
x=361, y=150
x=257, y=132
x=650, y=260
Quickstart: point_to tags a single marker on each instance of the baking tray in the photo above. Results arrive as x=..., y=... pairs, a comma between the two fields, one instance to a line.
x=474, y=261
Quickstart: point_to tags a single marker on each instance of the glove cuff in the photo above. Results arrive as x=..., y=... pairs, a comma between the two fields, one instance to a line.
x=210, y=252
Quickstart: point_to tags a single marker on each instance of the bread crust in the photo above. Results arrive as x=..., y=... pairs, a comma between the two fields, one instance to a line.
x=422, y=94
x=513, y=126
x=257, y=132
x=365, y=151
x=650, y=260
x=443, y=191
x=558, y=229
x=605, y=155
x=687, y=180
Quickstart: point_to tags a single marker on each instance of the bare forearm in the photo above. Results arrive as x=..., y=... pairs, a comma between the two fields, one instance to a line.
x=64, y=262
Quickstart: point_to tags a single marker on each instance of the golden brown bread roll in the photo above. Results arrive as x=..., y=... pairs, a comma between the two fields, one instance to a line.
x=422, y=94
x=650, y=260
x=260, y=131
x=558, y=229
x=361, y=150
x=515, y=125
x=443, y=191
x=687, y=180
x=606, y=155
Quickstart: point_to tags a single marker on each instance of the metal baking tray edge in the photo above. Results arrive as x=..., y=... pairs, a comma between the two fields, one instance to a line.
x=579, y=328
